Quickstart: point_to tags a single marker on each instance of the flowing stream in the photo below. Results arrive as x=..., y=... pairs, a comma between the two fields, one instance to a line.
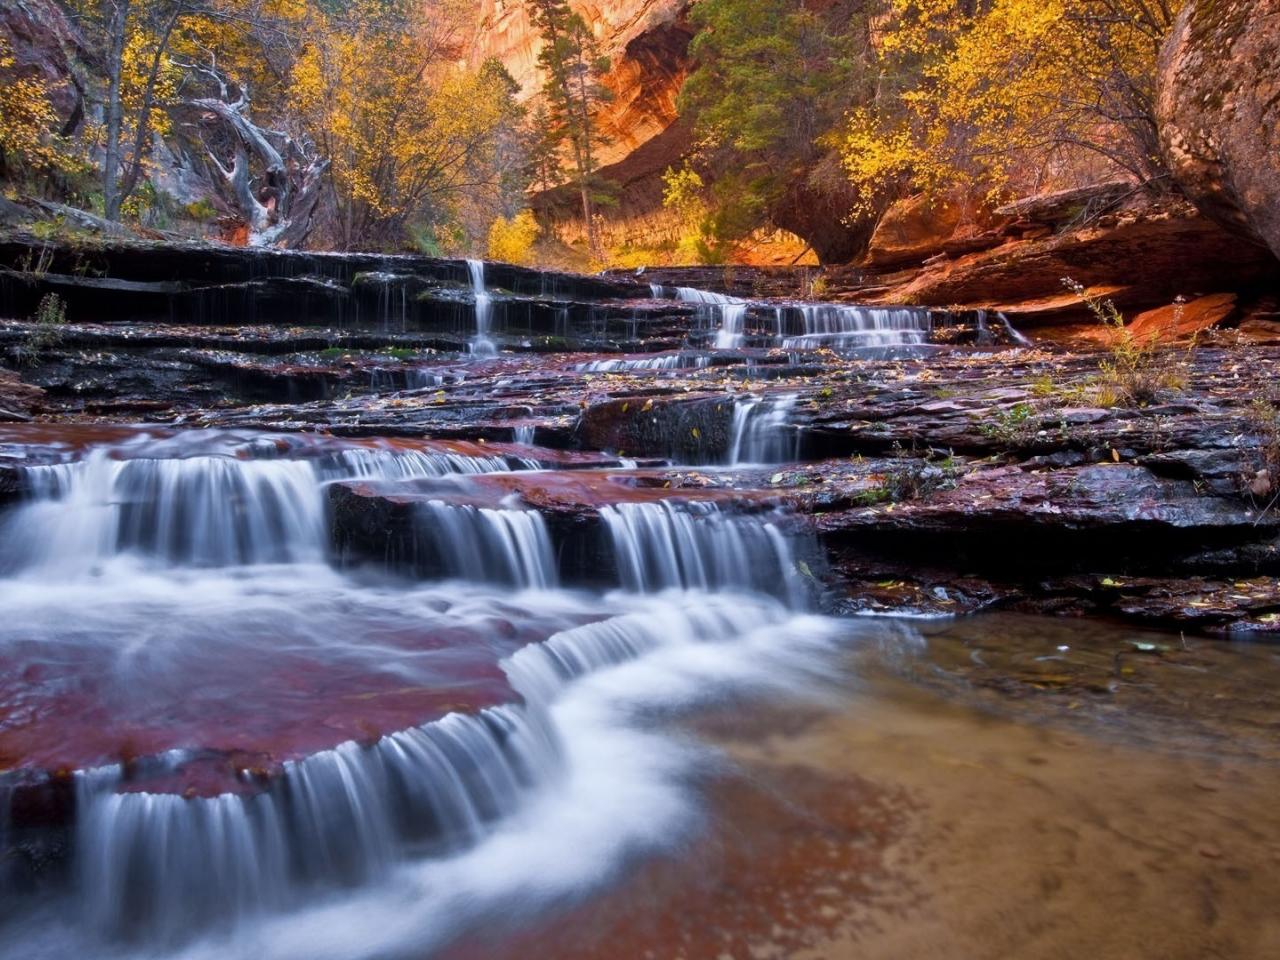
x=266, y=750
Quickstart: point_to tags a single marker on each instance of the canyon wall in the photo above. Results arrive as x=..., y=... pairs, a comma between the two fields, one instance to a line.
x=646, y=42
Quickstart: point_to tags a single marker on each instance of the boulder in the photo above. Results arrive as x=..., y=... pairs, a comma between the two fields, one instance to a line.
x=17, y=400
x=1141, y=257
x=919, y=227
x=1218, y=108
x=1061, y=208
x=1178, y=321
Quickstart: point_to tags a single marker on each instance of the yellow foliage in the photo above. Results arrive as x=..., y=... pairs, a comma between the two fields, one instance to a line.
x=399, y=119
x=1013, y=88
x=28, y=135
x=511, y=240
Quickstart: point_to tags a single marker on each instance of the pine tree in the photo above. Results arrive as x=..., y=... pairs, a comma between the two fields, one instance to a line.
x=572, y=67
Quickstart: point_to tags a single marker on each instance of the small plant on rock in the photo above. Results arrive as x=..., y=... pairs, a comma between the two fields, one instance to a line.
x=913, y=478
x=1136, y=372
x=1262, y=479
x=47, y=326
x=1012, y=426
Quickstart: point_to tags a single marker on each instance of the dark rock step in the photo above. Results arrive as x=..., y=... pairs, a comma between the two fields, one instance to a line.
x=205, y=264
x=380, y=523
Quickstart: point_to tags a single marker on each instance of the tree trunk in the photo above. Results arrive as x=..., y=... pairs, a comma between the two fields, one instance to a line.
x=142, y=129
x=589, y=216
x=117, y=16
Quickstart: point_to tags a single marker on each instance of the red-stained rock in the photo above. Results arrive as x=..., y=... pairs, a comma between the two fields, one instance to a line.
x=920, y=227
x=1143, y=257
x=46, y=43
x=17, y=399
x=645, y=41
x=1178, y=321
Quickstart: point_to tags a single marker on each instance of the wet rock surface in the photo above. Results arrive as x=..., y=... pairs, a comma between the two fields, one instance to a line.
x=363, y=522
x=947, y=476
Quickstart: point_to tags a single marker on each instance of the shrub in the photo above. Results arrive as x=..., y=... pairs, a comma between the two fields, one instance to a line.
x=1136, y=372
x=47, y=330
x=913, y=478
x=1015, y=425
x=511, y=240
x=201, y=210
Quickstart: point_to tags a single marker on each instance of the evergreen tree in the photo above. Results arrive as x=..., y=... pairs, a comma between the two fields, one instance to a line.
x=774, y=80
x=572, y=67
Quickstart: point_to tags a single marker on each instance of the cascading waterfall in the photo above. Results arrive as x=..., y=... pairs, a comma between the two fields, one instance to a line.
x=726, y=314
x=481, y=346
x=709, y=593
x=162, y=868
x=672, y=361
x=369, y=463
x=162, y=864
x=761, y=432
x=732, y=333
x=850, y=327
x=833, y=326
x=422, y=380
x=1010, y=331
x=697, y=546
x=489, y=545
x=200, y=511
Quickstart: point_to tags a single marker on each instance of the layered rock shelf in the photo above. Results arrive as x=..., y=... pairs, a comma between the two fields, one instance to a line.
x=944, y=476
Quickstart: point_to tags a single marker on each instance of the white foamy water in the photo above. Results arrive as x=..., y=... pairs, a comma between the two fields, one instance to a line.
x=188, y=601
x=762, y=432
x=482, y=346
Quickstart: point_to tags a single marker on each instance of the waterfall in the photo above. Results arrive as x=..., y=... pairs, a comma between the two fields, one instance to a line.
x=665, y=545
x=485, y=545
x=490, y=713
x=850, y=327
x=727, y=314
x=733, y=317
x=417, y=379
x=160, y=868
x=671, y=361
x=161, y=864
x=761, y=432
x=373, y=463
x=1013, y=333
x=543, y=670
x=829, y=325
x=201, y=511
x=481, y=346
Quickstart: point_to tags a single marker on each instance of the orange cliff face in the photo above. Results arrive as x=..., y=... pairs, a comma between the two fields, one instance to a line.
x=646, y=42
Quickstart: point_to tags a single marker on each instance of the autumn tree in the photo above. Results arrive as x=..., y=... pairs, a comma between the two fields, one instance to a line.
x=407, y=131
x=154, y=52
x=133, y=37
x=1009, y=91
x=30, y=142
x=572, y=90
